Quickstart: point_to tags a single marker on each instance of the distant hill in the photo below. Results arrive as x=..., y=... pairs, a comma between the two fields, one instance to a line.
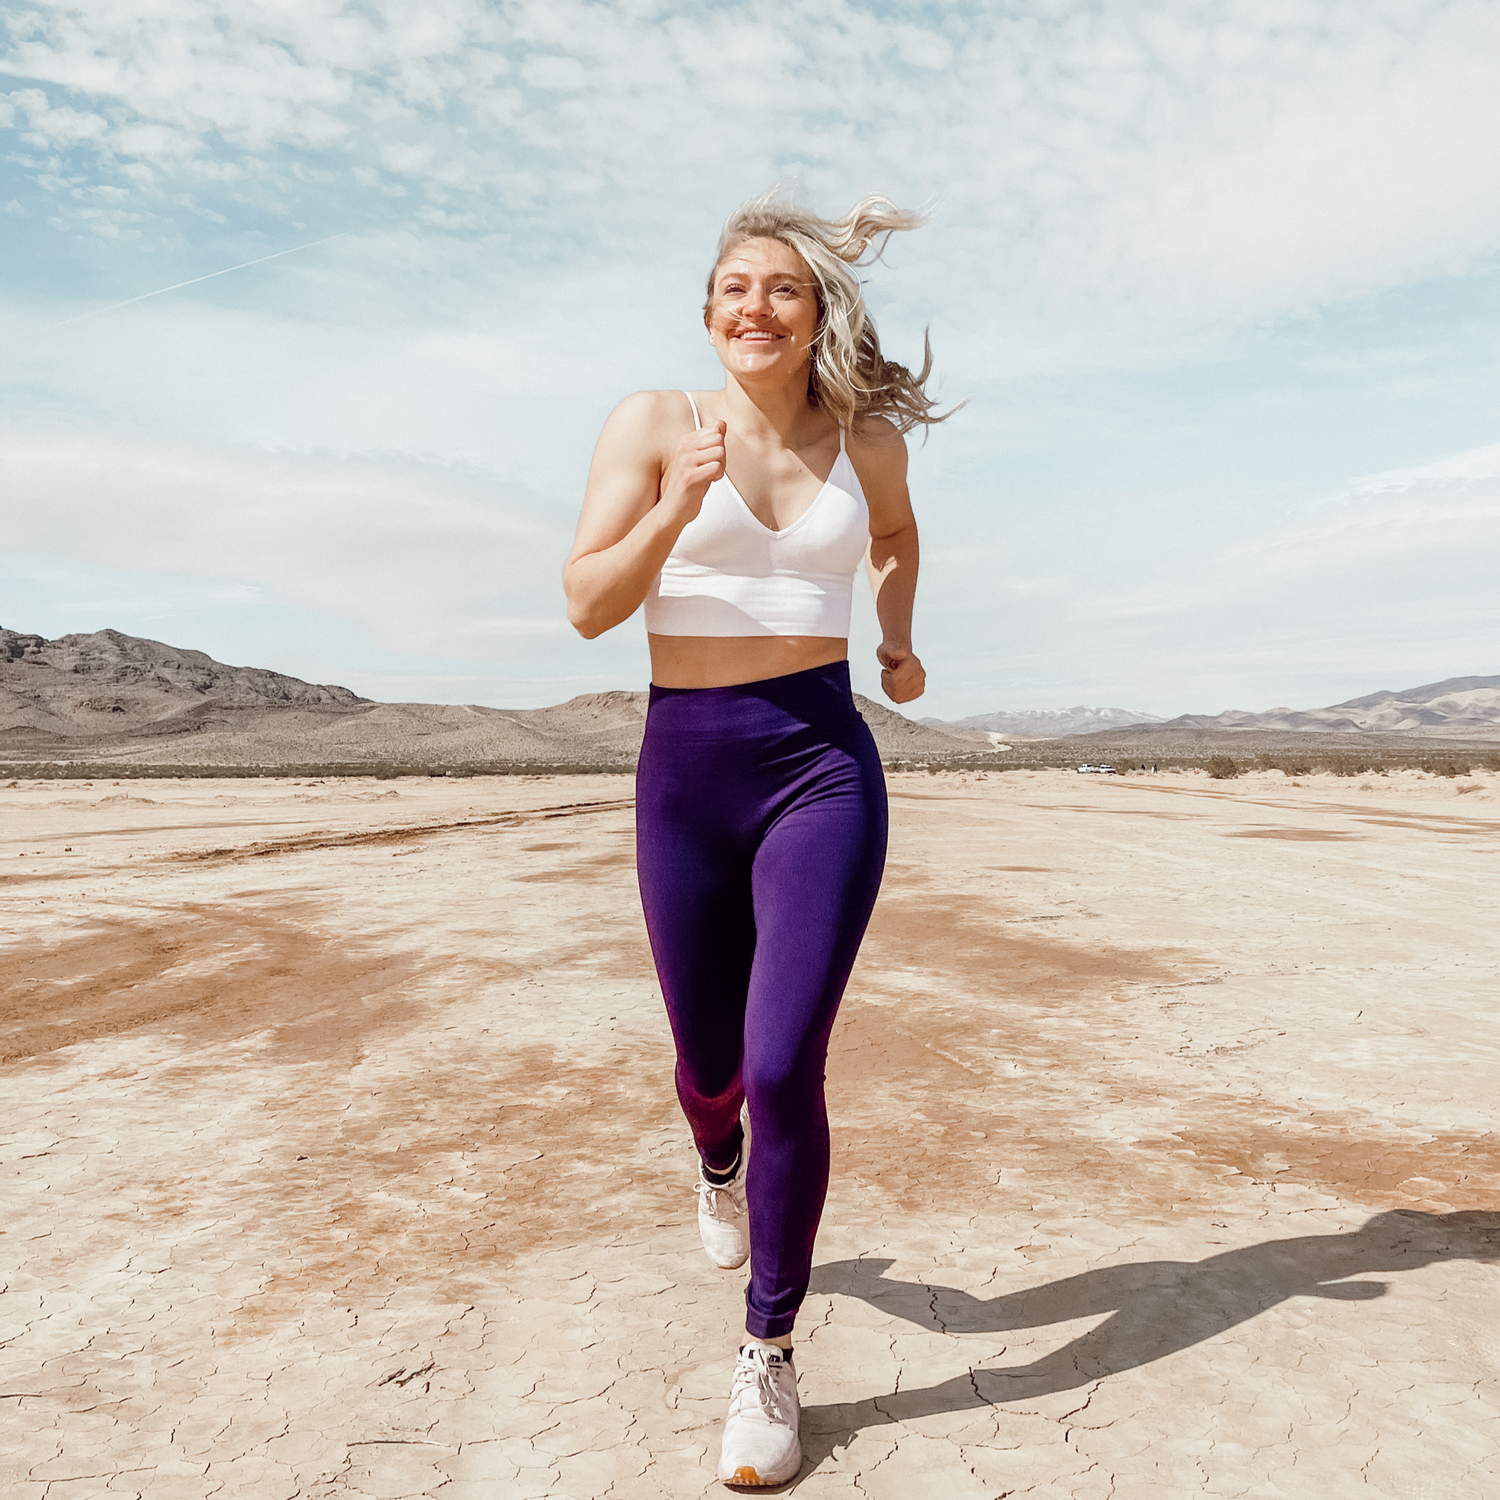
x=1456, y=708
x=106, y=682
x=120, y=698
x=1049, y=723
x=111, y=698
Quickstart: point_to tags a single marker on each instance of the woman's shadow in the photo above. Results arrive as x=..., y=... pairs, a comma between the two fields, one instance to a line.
x=1156, y=1307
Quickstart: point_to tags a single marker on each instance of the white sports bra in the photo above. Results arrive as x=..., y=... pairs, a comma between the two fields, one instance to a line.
x=730, y=574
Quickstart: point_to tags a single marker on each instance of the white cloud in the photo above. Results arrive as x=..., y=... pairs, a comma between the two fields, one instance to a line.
x=55, y=127
x=564, y=74
x=1198, y=160
x=449, y=565
x=1387, y=583
x=1476, y=464
x=428, y=559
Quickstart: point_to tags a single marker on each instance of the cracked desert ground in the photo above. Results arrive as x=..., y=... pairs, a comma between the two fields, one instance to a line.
x=340, y=1154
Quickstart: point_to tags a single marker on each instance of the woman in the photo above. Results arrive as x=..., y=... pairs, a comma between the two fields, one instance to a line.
x=739, y=517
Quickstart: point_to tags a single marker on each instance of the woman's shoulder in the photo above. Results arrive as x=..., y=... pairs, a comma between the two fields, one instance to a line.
x=876, y=432
x=648, y=422
x=877, y=441
x=652, y=407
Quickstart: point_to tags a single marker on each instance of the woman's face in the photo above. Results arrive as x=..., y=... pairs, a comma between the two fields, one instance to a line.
x=764, y=311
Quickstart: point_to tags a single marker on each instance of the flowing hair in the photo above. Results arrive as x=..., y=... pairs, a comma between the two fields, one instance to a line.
x=849, y=376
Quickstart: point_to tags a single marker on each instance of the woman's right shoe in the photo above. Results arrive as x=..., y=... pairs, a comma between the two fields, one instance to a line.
x=723, y=1224
x=761, y=1443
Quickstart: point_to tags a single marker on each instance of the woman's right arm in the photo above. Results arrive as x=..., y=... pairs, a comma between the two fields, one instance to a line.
x=645, y=485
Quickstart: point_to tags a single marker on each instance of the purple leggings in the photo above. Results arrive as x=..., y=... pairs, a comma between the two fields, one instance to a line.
x=760, y=834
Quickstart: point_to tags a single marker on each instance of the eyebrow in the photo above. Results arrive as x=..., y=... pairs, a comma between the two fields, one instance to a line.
x=746, y=274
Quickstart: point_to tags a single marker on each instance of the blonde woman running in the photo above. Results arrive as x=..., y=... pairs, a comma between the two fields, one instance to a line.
x=739, y=517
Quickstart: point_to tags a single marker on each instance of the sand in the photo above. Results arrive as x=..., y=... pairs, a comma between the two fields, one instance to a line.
x=339, y=1155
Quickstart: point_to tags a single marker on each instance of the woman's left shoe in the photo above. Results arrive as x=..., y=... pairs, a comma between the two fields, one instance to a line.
x=762, y=1445
x=723, y=1225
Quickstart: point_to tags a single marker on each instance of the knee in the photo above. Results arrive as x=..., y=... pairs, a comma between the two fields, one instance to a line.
x=709, y=1087
x=783, y=1088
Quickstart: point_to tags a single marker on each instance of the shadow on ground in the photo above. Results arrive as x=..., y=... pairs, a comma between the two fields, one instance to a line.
x=1156, y=1308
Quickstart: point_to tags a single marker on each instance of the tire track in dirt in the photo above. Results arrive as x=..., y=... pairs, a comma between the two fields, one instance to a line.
x=307, y=843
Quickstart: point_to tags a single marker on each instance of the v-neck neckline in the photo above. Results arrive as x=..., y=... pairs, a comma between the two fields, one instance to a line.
x=811, y=507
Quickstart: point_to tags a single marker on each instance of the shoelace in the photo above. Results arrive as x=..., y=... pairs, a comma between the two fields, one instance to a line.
x=709, y=1192
x=752, y=1377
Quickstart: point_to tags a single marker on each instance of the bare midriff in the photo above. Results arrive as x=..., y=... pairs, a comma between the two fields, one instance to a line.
x=706, y=661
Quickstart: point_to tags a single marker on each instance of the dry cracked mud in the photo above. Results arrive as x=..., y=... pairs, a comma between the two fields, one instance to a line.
x=339, y=1155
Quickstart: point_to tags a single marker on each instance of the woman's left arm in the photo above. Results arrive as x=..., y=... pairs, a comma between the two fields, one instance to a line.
x=879, y=457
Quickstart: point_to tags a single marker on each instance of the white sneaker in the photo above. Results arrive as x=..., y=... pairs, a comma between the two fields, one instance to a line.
x=761, y=1445
x=722, y=1222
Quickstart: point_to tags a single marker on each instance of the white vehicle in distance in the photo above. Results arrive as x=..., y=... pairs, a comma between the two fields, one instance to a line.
x=1099, y=770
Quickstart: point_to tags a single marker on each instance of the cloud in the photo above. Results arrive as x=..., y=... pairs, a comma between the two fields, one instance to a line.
x=1193, y=160
x=1466, y=470
x=367, y=345
x=427, y=559
x=455, y=571
x=1387, y=580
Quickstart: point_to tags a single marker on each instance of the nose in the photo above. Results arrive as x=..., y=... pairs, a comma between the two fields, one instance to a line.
x=757, y=303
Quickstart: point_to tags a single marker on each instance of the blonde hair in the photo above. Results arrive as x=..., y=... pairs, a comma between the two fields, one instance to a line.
x=849, y=376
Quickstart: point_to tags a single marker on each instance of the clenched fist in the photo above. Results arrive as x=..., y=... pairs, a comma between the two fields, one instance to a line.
x=901, y=678
x=696, y=463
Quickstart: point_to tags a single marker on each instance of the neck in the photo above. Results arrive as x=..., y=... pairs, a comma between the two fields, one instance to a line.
x=760, y=409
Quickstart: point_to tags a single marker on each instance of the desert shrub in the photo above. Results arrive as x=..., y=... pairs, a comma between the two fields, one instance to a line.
x=1346, y=765
x=1222, y=767
x=1449, y=767
x=1288, y=765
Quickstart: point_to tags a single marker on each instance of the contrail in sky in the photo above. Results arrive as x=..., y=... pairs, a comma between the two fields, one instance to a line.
x=177, y=286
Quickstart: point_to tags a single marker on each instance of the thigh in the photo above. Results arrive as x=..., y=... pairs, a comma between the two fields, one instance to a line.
x=815, y=879
x=695, y=882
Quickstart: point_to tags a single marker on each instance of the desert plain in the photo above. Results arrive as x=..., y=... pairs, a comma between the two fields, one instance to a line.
x=339, y=1155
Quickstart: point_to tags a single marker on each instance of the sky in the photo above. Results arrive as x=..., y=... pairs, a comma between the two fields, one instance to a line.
x=1218, y=279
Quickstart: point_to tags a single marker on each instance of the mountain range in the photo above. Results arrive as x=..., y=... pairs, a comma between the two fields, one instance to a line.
x=1456, y=708
x=129, y=699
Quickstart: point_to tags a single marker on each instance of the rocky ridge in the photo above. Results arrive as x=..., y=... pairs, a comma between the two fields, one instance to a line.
x=110, y=697
x=1456, y=708
x=107, y=681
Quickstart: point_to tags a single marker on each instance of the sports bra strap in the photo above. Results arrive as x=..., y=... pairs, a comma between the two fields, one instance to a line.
x=698, y=421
